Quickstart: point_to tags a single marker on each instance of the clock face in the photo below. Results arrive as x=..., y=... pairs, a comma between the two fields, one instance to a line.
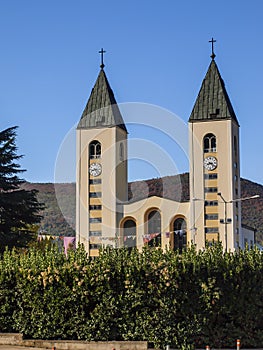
x=95, y=169
x=210, y=163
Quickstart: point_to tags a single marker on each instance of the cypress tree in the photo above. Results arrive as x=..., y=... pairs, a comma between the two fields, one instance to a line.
x=19, y=208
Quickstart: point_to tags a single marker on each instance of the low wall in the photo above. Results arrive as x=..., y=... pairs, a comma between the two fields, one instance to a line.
x=11, y=338
x=17, y=339
x=82, y=345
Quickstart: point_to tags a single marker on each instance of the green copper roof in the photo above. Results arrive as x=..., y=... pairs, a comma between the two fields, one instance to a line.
x=212, y=102
x=101, y=110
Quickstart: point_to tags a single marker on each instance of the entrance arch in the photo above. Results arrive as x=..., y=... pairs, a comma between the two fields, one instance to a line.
x=129, y=233
x=179, y=229
x=153, y=223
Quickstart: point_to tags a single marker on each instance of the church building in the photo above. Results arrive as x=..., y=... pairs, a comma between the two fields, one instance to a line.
x=210, y=212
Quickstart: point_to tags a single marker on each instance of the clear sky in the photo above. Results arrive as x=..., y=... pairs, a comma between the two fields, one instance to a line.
x=157, y=53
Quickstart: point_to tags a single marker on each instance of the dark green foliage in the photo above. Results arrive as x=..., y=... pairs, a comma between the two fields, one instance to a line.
x=18, y=208
x=187, y=300
x=8, y=291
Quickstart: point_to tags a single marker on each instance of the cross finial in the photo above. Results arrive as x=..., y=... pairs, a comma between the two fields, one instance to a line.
x=102, y=63
x=213, y=54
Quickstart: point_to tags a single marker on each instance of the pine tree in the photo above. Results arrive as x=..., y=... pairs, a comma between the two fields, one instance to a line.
x=19, y=208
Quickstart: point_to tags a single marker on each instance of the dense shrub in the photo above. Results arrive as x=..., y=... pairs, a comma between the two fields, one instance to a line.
x=192, y=299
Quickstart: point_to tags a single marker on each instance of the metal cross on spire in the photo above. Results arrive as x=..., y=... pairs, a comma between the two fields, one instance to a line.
x=102, y=63
x=213, y=54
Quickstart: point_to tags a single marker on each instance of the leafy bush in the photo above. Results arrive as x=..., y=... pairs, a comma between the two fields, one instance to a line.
x=192, y=299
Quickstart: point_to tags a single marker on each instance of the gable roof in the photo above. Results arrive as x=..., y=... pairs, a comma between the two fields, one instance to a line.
x=101, y=110
x=212, y=102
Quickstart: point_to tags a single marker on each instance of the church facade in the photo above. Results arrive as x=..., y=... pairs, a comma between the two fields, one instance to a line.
x=105, y=213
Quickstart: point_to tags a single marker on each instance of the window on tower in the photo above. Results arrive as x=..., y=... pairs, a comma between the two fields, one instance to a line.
x=209, y=143
x=95, y=220
x=94, y=246
x=211, y=216
x=95, y=207
x=211, y=190
x=95, y=194
x=95, y=233
x=212, y=176
x=211, y=203
x=95, y=149
x=94, y=181
x=121, y=152
x=211, y=229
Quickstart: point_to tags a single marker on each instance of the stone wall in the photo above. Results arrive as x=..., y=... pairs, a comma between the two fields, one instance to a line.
x=17, y=339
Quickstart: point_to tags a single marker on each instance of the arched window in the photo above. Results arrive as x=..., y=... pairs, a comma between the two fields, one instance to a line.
x=121, y=152
x=129, y=233
x=154, y=222
x=154, y=228
x=95, y=149
x=209, y=143
x=179, y=228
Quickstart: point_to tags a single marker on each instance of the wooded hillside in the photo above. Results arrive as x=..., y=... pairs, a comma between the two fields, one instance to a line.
x=173, y=187
x=53, y=222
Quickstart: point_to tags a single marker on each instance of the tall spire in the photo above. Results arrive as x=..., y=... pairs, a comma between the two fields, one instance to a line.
x=212, y=102
x=101, y=110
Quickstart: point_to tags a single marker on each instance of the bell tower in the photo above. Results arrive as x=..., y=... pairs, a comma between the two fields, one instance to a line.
x=214, y=165
x=101, y=185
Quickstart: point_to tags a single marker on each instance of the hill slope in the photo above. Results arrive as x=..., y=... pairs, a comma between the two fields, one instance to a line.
x=53, y=222
x=173, y=187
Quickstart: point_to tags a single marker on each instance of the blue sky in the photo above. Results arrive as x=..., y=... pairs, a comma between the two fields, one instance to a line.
x=157, y=53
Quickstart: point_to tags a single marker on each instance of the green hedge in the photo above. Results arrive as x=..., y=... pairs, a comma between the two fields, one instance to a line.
x=186, y=300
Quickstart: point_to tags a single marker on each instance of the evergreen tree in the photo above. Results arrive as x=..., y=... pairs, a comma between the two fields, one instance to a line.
x=19, y=208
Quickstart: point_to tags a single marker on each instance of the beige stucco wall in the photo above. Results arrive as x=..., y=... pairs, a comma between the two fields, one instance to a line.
x=248, y=238
x=113, y=186
x=169, y=210
x=224, y=130
x=114, y=189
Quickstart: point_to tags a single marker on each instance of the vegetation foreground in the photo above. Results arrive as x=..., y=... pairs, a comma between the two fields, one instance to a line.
x=187, y=300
